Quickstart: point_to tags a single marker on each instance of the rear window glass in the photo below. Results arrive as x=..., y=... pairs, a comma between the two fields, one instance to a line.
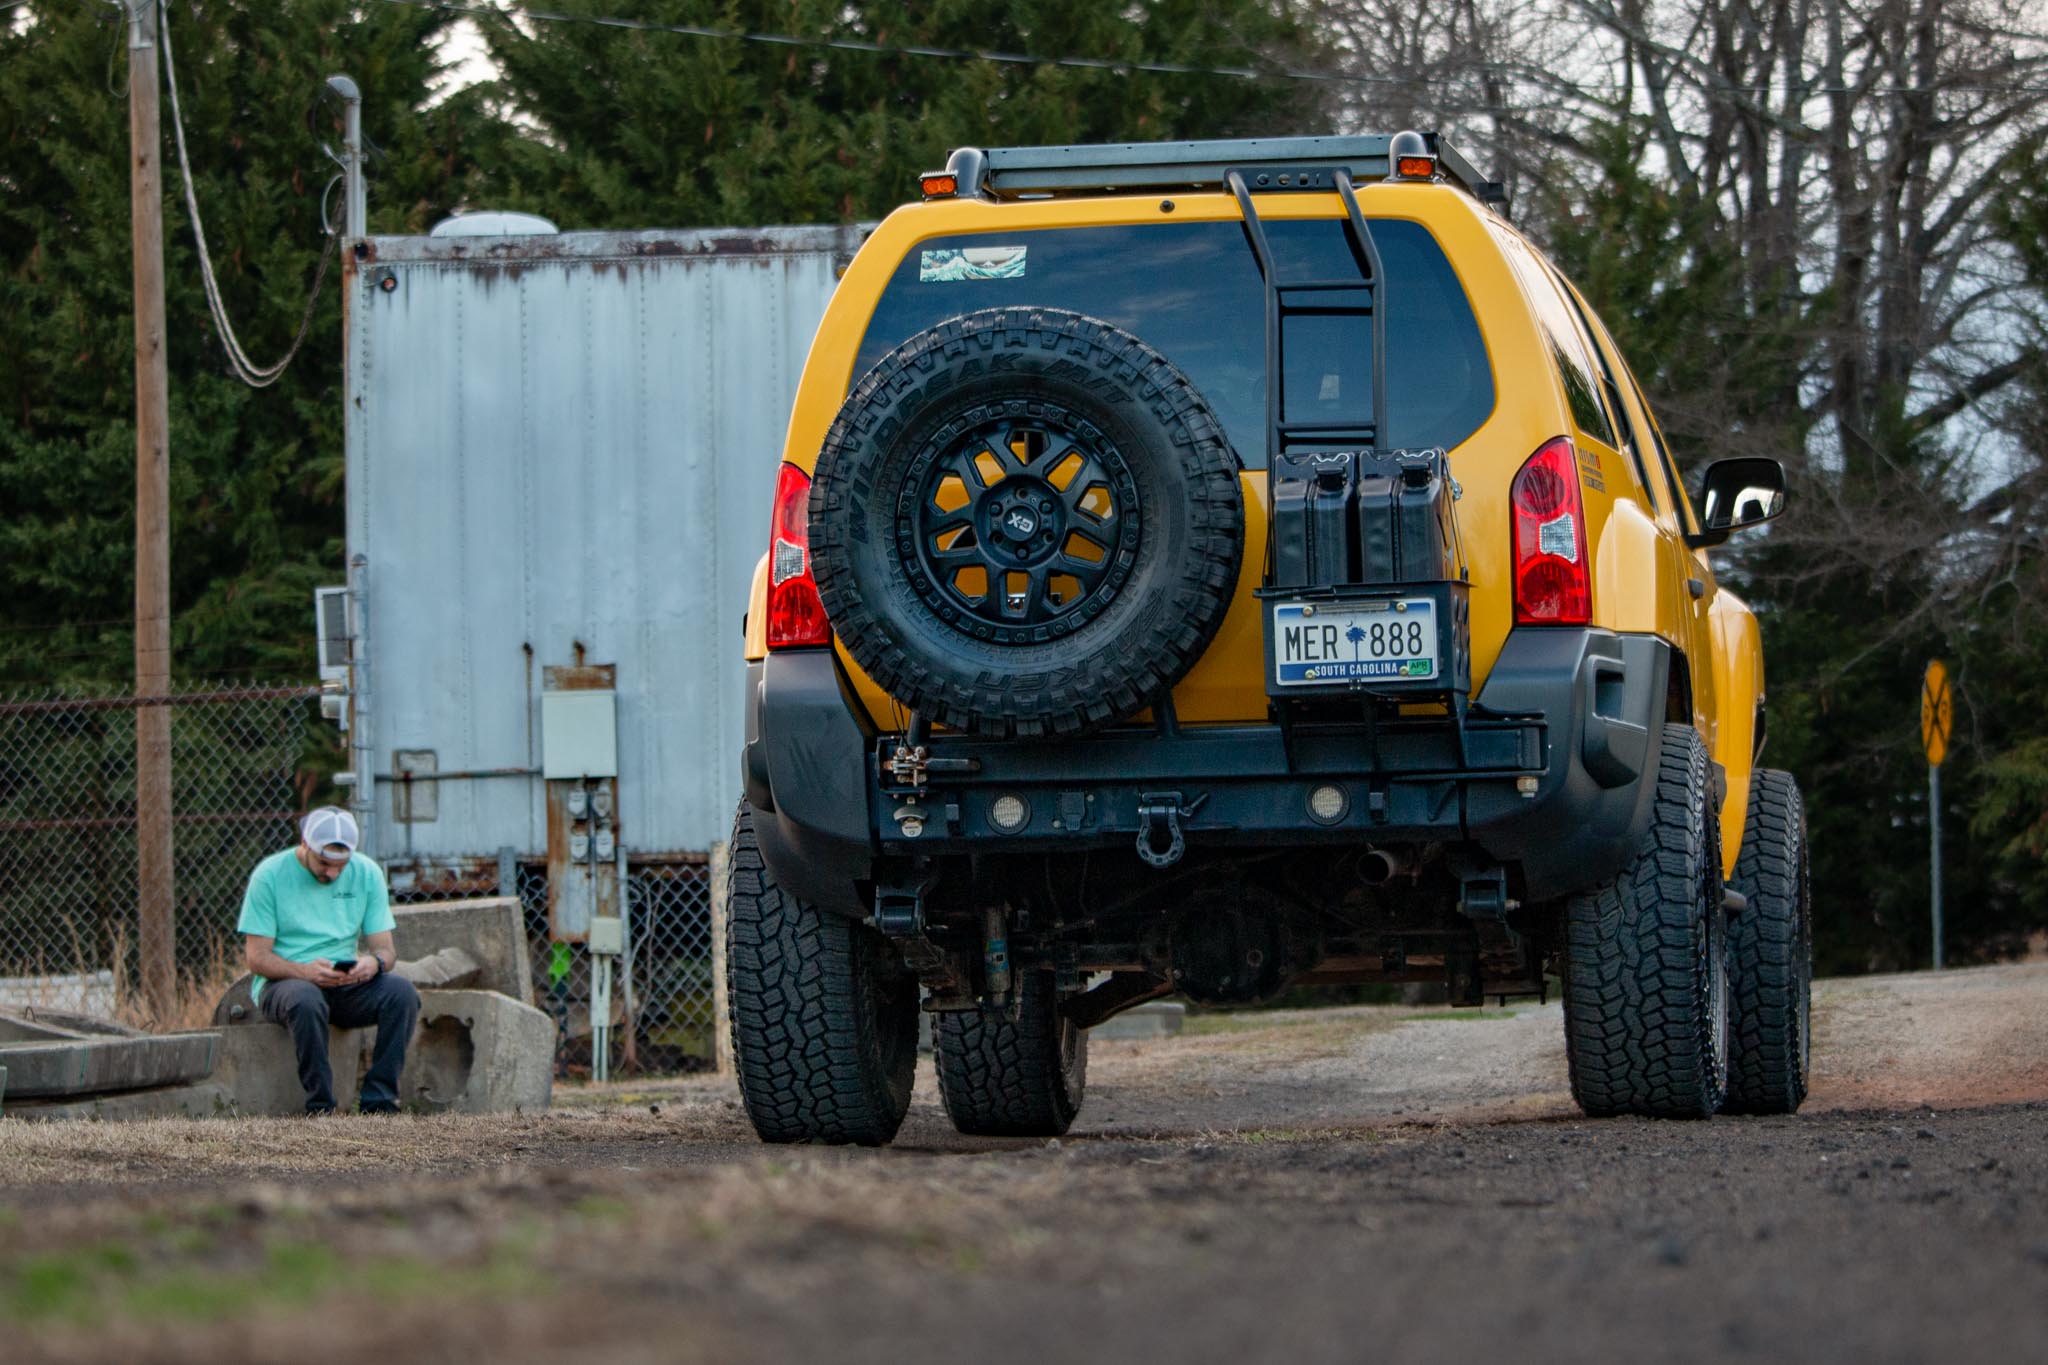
x=1192, y=290
x=1567, y=342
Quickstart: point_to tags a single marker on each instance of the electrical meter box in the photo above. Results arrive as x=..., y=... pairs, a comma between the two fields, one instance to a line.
x=579, y=735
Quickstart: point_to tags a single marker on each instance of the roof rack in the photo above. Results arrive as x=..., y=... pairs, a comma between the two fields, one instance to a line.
x=1112, y=168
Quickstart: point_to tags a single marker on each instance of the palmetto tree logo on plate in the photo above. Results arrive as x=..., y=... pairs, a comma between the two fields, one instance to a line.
x=1356, y=635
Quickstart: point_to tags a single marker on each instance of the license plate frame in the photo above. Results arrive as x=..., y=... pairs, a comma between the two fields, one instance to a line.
x=1311, y=643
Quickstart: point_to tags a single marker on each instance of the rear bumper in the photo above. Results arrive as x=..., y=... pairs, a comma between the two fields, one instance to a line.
x=1547, y=778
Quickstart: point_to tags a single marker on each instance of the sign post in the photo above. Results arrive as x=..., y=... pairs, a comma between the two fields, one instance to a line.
x=1937, y=718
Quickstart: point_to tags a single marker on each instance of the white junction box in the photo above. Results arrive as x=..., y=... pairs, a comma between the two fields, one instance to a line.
x=579, y=735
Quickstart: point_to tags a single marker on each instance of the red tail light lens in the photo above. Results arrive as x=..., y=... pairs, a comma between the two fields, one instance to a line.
x=1552, y=584
x=795, y=615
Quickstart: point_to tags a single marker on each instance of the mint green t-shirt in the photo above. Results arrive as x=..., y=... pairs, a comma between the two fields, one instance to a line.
x=309, y=918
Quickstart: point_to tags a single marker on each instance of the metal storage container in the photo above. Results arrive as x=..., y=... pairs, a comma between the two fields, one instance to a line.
x=560, y=459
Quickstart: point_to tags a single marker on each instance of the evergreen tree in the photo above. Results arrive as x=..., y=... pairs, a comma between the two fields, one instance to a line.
x=642, y=128
x=256, y=476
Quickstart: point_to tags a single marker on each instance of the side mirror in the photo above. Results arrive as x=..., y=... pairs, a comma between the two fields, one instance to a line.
x=1745, y=491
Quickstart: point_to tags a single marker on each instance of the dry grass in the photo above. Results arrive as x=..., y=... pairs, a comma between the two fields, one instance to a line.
x=589, y=1125
x=236, y=1149
x=196, y=991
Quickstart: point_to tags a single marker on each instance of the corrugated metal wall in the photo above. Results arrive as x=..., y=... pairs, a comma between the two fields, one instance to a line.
x=561, y=444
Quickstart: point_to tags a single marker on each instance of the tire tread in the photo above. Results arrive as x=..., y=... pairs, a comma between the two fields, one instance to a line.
x=1639, y=1030
x=1002, y=1077
x=1121, y=670
x=1771, y=952
x=819, y=1044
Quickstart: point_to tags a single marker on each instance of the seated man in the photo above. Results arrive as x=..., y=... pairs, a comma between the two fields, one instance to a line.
x=306, y=911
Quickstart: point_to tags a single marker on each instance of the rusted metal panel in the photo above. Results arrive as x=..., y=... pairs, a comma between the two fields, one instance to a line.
x=559, y=448
x=606, y=246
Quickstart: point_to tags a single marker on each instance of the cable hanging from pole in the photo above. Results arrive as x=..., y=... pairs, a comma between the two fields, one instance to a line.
x=248, y=371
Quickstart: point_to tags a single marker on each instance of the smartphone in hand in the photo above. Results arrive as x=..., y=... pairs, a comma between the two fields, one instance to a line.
x=345, y=966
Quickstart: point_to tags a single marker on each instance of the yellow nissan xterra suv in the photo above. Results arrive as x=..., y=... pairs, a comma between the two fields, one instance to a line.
x=1205, y=568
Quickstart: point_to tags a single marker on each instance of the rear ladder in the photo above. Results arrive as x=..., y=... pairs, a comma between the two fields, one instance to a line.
x=1314, y=298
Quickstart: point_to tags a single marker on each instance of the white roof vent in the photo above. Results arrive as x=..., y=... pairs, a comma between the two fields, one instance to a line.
x=493, y=223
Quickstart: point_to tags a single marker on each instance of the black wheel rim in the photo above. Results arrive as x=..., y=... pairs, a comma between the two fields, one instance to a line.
x=1018, y=523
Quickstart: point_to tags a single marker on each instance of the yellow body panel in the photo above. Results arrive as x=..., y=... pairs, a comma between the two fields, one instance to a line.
x=1738, y=673
x=1625, y=595
x=1641, y=565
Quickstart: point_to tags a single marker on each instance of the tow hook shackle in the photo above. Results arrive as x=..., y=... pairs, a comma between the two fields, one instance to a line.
x=1160, y=842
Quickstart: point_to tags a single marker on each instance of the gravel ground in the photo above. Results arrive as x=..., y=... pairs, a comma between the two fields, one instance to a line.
x=1324, y=1185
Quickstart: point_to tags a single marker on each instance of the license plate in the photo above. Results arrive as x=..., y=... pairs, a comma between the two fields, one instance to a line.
x=1317, y=643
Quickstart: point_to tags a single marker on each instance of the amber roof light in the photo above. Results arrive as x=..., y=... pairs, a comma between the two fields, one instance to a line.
x=1409, y=157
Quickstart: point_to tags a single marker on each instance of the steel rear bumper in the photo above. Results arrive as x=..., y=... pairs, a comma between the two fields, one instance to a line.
x=1548, y=778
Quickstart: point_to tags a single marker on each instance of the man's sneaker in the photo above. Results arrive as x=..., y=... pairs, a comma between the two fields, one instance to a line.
x=380, y=1107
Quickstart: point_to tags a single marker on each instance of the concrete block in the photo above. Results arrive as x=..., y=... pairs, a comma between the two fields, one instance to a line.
x=247, y=1063
x=202, y=1100
x=479, y=1052
x=449, y=969
x=1154, y=1019
x=474, y=1052
x=474, y=943
x=491, y=929
x=35, y=1025
x=16, y=1029
x=258, y=1071
x=89, y=1066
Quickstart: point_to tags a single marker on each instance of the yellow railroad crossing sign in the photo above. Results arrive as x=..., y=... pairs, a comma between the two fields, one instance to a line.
x=1937, y=712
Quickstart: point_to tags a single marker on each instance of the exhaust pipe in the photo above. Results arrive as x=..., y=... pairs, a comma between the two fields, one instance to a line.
x=1378, y=867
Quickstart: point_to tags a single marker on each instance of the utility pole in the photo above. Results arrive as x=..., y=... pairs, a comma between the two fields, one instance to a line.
x=154, y=894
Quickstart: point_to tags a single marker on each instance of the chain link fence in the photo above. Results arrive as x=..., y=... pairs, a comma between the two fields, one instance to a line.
x=68, y=920
x=664, y=1009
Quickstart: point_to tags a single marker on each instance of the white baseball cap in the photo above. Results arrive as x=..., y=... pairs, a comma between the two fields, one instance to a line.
x=330, y=825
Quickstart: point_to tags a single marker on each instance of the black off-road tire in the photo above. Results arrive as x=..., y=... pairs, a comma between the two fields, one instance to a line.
x=1093, y=657
x=1001, y=1077
x=1646, y=959
x=824, y=1016
x=1771, y=953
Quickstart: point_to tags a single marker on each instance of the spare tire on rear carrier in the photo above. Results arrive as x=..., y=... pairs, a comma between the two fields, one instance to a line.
x=1025, y=521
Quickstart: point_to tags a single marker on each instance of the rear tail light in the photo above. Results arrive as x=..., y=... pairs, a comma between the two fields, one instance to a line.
x=1552, y=584
x=795, y=615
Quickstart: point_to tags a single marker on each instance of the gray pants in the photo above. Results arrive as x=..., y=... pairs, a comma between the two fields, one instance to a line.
x=388, y=1001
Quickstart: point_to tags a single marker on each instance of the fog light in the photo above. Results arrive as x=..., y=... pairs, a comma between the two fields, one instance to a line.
x=1008, y=813
x=1326, y=804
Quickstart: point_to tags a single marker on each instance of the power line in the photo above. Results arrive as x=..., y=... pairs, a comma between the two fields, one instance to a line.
x=888, y=49
x=248, y=371
x=475, y=7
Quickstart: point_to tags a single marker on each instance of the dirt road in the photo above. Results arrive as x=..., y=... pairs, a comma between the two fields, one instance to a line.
x=1330, y=1185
